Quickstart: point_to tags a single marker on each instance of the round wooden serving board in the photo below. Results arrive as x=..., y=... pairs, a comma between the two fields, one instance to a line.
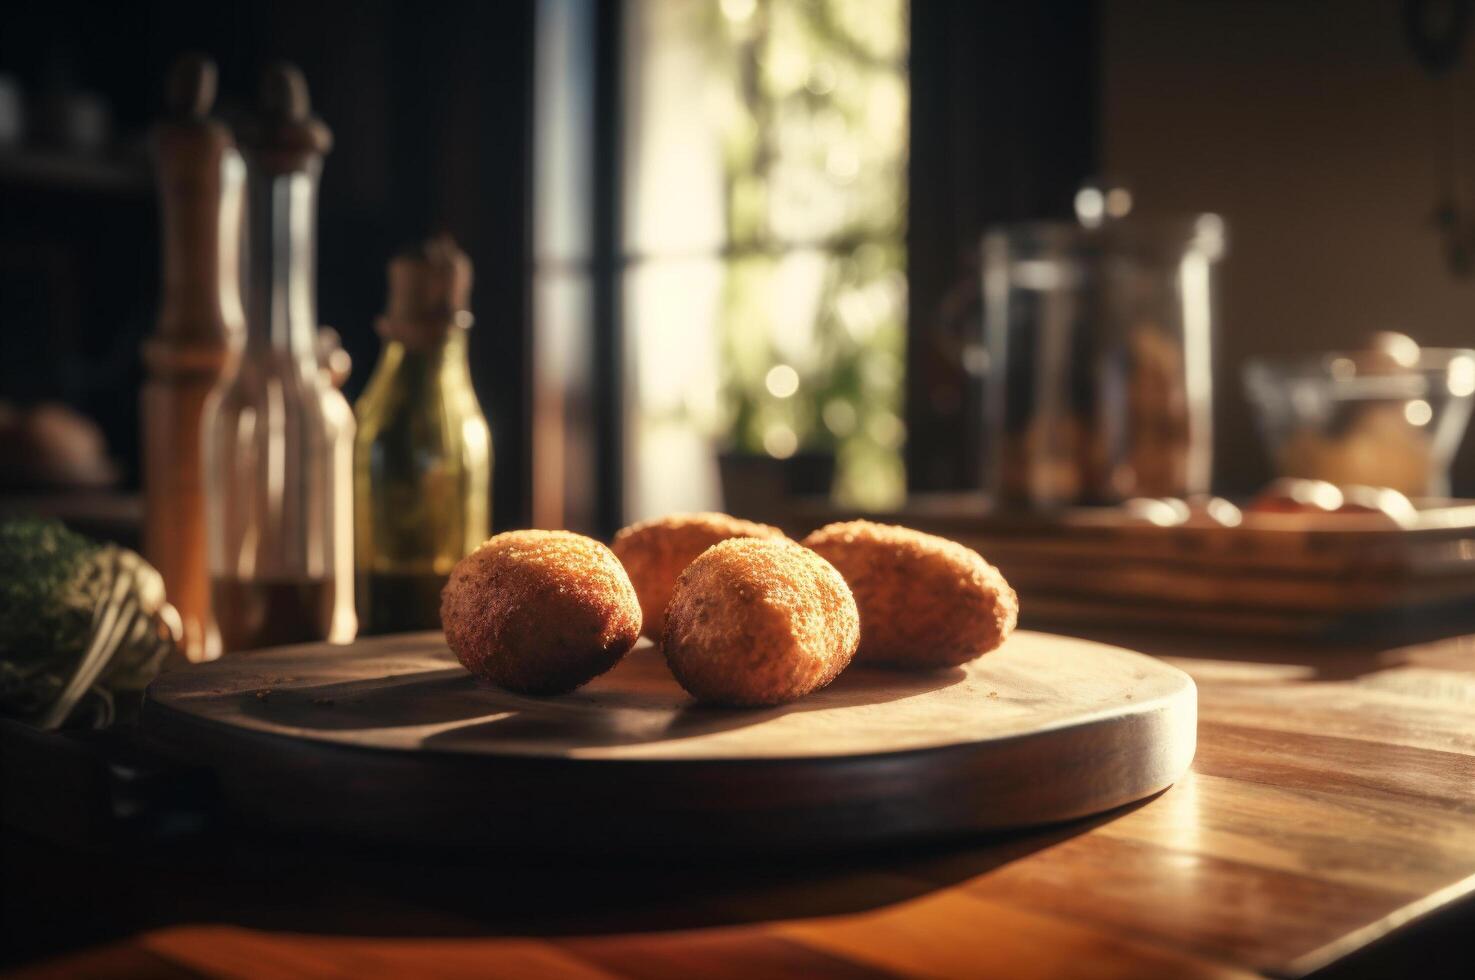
x=390, y=739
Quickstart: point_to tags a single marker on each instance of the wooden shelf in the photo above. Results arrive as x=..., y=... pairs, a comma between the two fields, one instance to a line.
x=111, y=515
x=58, y=170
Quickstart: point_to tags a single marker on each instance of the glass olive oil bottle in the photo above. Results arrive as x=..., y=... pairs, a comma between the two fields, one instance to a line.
x=422, y=459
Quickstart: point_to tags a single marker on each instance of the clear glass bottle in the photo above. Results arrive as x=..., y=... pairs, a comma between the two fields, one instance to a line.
x=423, y=453
x=278, y=434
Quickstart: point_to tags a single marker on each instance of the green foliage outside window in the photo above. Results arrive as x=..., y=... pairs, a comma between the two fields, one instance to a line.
x=814, y=121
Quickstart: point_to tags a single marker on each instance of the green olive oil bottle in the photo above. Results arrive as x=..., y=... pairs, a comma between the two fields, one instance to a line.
x=422, y=458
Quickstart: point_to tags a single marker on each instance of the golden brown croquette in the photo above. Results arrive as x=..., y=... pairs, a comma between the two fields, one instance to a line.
x=540, y=612
x=924, y=601
x=757, y=621
x=656, y=552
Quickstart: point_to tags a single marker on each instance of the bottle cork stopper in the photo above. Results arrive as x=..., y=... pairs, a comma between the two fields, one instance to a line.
x=284, y=95
x=189, y=91
x=429, y=292
x=285, y=135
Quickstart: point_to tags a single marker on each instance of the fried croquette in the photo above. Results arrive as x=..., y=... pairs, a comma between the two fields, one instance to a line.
x=924, y=601
x=540, y=612
x=656, y=552
x=757, y=621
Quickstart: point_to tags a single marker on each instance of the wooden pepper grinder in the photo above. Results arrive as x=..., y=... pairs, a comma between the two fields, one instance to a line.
x=201, y=179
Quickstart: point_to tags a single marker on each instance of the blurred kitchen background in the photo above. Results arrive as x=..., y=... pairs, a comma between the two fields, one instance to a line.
x=729, y=251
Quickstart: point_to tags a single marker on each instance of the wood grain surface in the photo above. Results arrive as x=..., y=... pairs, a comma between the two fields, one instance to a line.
x=1331, y=803
x=878, y=756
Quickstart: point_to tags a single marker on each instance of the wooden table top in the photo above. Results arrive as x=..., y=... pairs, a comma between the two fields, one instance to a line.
x=1332, y=801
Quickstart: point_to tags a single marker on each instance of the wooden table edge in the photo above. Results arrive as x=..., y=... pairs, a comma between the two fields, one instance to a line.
x=1389, y=925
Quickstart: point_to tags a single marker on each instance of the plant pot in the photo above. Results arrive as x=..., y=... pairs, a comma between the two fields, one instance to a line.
x=754, y=484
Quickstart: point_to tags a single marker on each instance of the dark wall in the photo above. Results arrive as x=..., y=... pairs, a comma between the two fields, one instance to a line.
x=1313, y=130
x=430, y=107
x=1004, y=128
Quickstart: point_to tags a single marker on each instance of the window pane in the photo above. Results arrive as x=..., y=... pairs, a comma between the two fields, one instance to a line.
x=671, y=367
x=563, y=131
x=672, y=160
x=764, y=202
x=564, y=426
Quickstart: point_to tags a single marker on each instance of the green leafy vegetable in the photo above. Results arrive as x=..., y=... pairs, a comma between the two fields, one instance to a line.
x=74, y=615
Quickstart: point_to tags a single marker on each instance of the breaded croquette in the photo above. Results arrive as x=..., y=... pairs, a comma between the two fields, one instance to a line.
x=924, y=601
x=758, y=621
x=540, y=612
x=656, y=552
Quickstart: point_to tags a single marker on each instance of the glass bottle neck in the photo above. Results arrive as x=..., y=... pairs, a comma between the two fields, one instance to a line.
x=281, y=303
x=436, y=365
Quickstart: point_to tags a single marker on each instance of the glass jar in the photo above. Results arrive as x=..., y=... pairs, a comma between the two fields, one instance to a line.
x=1099, y=352
x=278, y=434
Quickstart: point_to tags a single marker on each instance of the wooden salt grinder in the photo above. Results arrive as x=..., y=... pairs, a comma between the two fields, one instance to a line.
x=201, y=180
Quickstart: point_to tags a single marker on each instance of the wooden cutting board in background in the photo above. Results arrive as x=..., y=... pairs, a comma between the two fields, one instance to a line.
x=390, y=739
x=1343, y=576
